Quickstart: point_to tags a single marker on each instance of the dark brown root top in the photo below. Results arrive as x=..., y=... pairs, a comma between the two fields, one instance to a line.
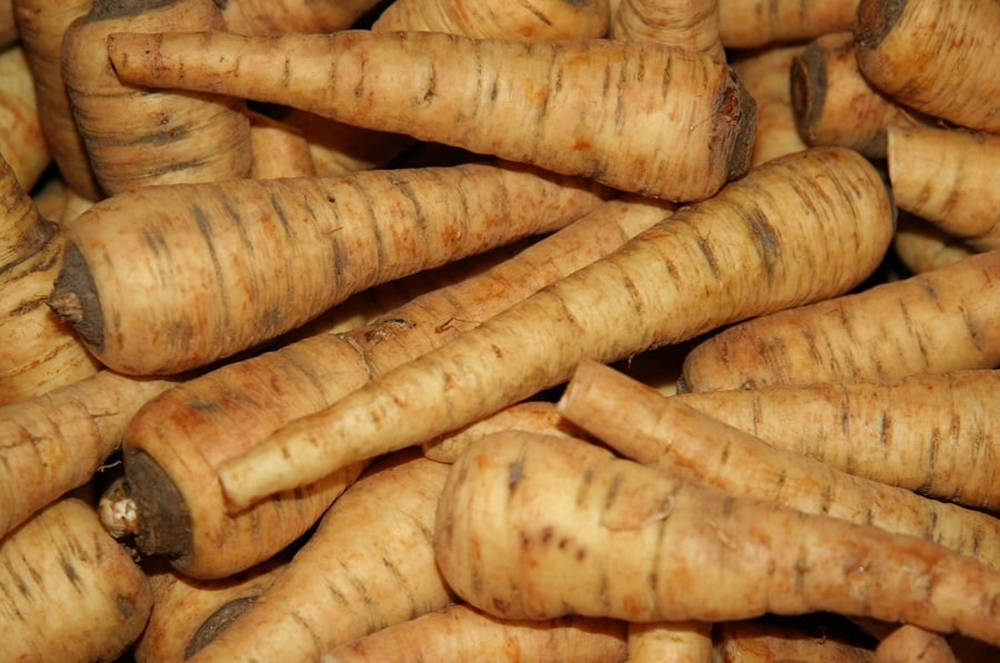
x=876, y=19
x=104, y=9
x=807, y=79
x=164, y=519
x=738, y=110
x=74, y=298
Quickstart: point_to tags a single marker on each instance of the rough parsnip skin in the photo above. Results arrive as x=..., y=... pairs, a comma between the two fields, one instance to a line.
x=189, y=431
x=765, y=75
x=751, y=23
x=752, y=248
x=833, y=103
x=534, y=416
x=459, y=633
x=273, y=17
x=942, y=320
x=683, y=442
x=71, y=593
x=537, y=527
x=134, y=136
x=42, y=24
x=37, y=352
x=947, y=177
x=187, y=614
x=929, y=56
x=921, y=246
x=771, y=639
x=931, y=433
x=910, y=644
x=56, y=441
x=532, y=20
x=585, y=107
x=369, y=564
x=677, y=642
x=692, y=25
x=22, y=143
x=201, y=271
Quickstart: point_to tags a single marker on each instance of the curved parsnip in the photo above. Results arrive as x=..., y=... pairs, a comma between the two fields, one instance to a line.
x=587, y=107
x=532, y=20
x=780, y=235
x=42, y=24
x=189, y=431
x=71, y=593
x=535, y=526
x=943, y=320
x=136, y=137
x=930, y=55
x=948, y=178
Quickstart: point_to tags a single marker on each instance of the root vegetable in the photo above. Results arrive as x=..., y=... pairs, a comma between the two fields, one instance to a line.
x=765, y=76
x=930, y=433
x=136, y=137
x=582, y=107
x=935, y=322
x=532, y=20
x=69, y=591
x=189, y=431
x=690, y=25
x=536, y=527
x=736, y=255
x=42, y=24
x=928, y=55
x=217, y=255
x=278, y=150
x=459, y=633
x=50, y=198
x=922, y=247
x=947, y=177
x=683, y=442
x=751, y=23
x=835, y=105
x=274, y=17
x=56, y=441
x=8, y=26
x=770, y=640
x=678, y=642
x=910, y=644
x=369, y=564
x=22, y=143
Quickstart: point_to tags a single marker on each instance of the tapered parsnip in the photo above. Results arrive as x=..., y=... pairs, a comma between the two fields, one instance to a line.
x=459, y=633
x=938, y=321
x=835, y=105
x=750, y=23
x=947, y=177
x=584, y=107
x=769, y=640
x=692, y=25
x=765, y=75
x=537, y=527
x=272, y=17
x=191, y=430
x=279, y=150
x=70, y=592
x=204, y=270
x=928, y=55
x=22, y=143
x=56, y=441
x=678, y=642
x=931, y=433
x=532, y=20
x=137, y=137
x=910, y=644
x=921, y=246
x=534, y=416
x=683, y=442
x=369, y=564
x=187, y=614
x=42, y=24
x=37, y=352
x=750, y=249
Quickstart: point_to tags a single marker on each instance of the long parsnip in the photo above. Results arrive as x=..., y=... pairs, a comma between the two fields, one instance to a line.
x=752, y=248
x=587, y=107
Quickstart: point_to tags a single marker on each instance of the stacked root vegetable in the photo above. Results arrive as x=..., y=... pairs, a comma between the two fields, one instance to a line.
x=451, y=330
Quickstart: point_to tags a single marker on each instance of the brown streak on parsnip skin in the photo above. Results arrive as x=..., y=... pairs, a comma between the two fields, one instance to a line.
x=218, y=621
x=106, y=9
